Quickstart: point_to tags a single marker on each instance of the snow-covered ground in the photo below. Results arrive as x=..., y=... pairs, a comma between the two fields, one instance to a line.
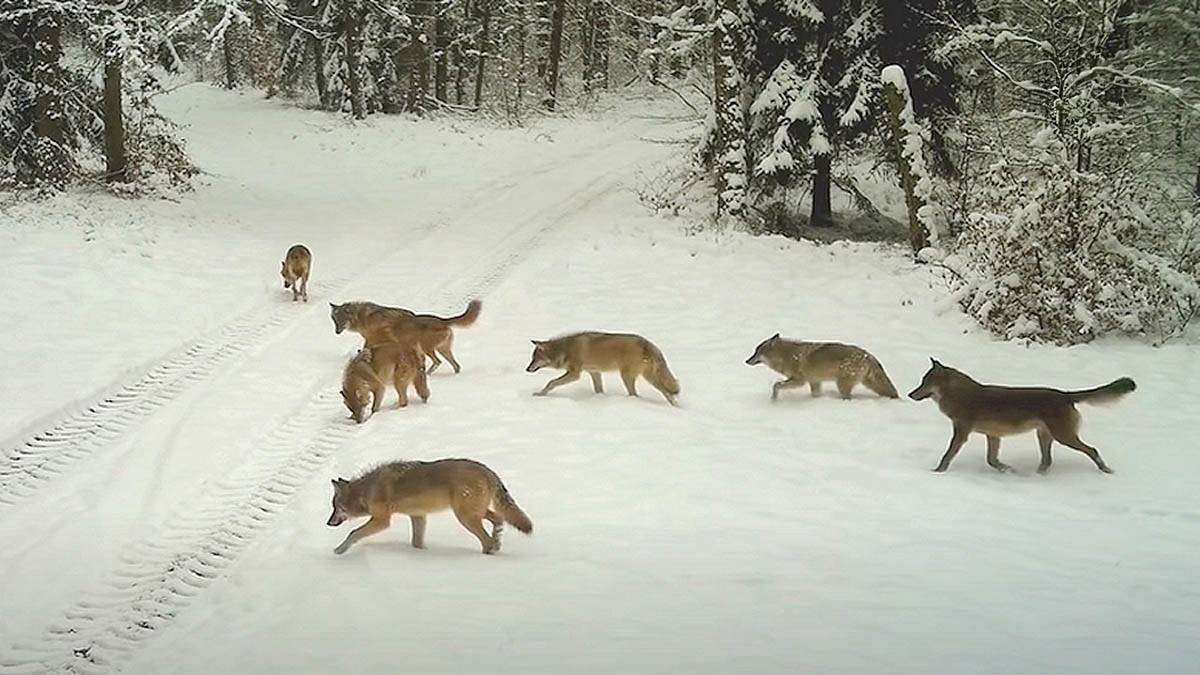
x=173, y=423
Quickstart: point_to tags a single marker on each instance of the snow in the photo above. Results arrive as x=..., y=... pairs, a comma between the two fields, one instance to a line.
x=730, y=535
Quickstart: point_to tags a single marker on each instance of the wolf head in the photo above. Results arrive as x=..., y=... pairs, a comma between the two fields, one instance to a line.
x=936, y=378
x=763, y=348
x=346, y=504
x=541, y=358
x=357, y=400
x=341, y=317
x=287, y=278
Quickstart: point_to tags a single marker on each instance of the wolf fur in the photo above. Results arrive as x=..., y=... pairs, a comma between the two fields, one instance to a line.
x=997, y=411
x=297, y=265
x=367, y=375
x=595, y=352
x=473, y=491
x=812, y=363
x=379, y=324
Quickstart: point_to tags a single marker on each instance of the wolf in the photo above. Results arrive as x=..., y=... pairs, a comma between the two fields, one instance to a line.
x=367, y=374
x=996, y=411
x=812, y=363
x=595, y=352
x=297, y=265
x=473, y=491
x=378, y=324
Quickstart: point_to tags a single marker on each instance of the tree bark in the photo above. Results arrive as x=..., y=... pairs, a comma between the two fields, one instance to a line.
x=228, y=53
x=822, y=209
x=918, y=237
x=114, y=122
x=51, y=162
x=554, y=58
x=441, y=45
x=485, y=34
x=353, y=23
x=729, y=138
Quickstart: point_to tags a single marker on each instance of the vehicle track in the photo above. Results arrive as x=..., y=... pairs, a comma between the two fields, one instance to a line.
x=79, y=431
x=164, y=573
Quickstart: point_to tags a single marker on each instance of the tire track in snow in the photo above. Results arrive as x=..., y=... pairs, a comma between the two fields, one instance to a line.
x=78, y=431
x=160, y=576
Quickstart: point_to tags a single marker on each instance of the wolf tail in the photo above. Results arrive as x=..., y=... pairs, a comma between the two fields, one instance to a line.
x=507, y=507
x=468, y=316
x=659, y=373
x=877, y=380
x=1102, y=395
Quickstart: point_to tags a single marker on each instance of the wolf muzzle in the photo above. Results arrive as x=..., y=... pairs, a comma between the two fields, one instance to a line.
x=335, y=520
x=532, y=368
x=753, y=360
x=919, y=395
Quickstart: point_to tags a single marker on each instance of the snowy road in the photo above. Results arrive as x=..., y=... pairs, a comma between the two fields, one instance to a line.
x=174, y=522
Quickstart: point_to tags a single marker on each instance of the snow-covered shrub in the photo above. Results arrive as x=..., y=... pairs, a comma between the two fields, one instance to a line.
x=1052, y=253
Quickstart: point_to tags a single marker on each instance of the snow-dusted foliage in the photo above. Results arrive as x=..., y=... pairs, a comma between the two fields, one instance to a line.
x=57, y=124
x=913, y=137
x=1074, y=219
x=1052, y=253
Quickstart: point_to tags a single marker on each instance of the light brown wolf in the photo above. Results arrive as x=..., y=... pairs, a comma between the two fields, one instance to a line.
x=473, y=491
x=593, y=352
x=378, y=324
x=367, y=375
x=996, y=411
x=297, y=265
x=812, y=363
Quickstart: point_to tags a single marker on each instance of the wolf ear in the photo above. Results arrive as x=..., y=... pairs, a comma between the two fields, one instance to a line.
x=538, y=343
x=934, y=362
x=775, y=336
x=332, y=306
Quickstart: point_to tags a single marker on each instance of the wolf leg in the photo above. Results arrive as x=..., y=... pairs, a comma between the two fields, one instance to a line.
x=956, y=442
x=629, y=377
x=418, y=531
x=565, y=378
x=789, y=383
x=1045, y=440
x=993, y=454
x=474, y=525
x=597, y=382
x=377, y=524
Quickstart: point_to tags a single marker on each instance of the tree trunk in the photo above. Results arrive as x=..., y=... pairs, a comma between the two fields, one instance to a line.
x=554, y=58
x=441, y=45
x=51, y=161
x=227, y=51
x=822, y=209
x=918, y=237
x=484, y=38
x=353, y=24
x=423, y=10
x=729, y=141
x=114, y=122
x=318, y=45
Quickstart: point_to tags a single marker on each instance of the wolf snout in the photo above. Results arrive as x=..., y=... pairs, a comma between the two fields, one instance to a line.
x=531, y=368
x=918, y=395
x=334, y=520
x=752, y=361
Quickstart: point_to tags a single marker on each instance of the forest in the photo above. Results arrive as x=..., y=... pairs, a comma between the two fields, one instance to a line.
x=1048, y=151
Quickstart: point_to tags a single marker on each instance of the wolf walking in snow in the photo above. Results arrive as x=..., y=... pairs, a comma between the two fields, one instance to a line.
x=594, y=352
x=473, y=491
x=379, y=324
x=296, y=267
x=996, y=411
x=367, y=375
x=812, y=363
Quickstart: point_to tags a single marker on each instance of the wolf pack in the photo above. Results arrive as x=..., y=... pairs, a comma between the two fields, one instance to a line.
x=397, y=342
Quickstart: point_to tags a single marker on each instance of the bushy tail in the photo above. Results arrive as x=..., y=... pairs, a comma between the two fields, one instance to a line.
x=468, y=317
x=878, y=381
x=660, y=374
x=509, y=511
x=1106, y=394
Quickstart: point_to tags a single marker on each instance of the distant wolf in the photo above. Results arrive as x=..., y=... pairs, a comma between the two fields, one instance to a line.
x=378, y=324
x=996, y=411
x=812, y=363
x=594, y=352
x=367, y=375
x=473, y=491
x=297, y=265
